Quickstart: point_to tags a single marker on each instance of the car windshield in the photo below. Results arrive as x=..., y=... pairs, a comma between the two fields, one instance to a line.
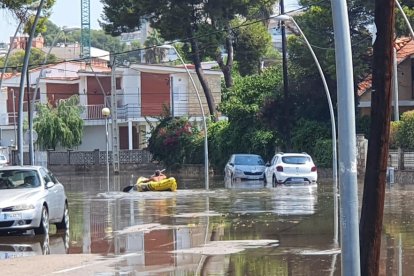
x=18, y=179
x=248, y=160
x=295, y=159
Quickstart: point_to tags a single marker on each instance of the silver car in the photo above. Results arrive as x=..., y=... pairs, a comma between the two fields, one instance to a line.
x=245, y=167
x=31, y=197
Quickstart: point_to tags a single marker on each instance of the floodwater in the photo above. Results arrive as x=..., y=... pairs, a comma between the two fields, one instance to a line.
x=239, y=229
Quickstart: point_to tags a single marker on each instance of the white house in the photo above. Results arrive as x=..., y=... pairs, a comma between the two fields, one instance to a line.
x=141, y=92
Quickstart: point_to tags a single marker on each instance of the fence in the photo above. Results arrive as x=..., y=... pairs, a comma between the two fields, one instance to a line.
x=83, y=158
x=406, y=161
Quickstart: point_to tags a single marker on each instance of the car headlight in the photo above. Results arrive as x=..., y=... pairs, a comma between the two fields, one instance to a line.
x=20, y=207
x=238, y=172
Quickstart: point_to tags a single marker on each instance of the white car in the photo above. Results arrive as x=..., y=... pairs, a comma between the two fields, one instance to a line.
x=31, y=197
x=3, y=160
x=291, y=168
x=244, y=167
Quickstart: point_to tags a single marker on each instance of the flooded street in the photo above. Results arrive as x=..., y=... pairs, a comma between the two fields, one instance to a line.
x=239, y=229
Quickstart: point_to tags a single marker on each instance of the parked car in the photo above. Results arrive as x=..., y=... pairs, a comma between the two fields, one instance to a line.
x=291, y=168
x=31, y=197
x=3, y=160
x=245, y=167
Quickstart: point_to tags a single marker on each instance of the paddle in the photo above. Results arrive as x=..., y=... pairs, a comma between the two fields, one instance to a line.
x=131, y=186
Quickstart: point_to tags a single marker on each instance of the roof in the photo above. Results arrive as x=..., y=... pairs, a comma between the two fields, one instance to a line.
x=82, y=68
x=404, y=47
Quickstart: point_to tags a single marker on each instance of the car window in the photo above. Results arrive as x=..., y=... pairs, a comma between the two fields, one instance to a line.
x=16, y=179
x=274, y=159
x=248, y=160
x=295, y=159
x=46, y=176
x=2, y=157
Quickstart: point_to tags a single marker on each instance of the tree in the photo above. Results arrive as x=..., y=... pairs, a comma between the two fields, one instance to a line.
x=251, y=44
x=204, y=26
x=247, y=130
x=62, y=125
x=316, y=24
x=37, y=57
x=99, y=38
x=401, y=27
x=154, y=54
x=375, y=175
x=20, y=9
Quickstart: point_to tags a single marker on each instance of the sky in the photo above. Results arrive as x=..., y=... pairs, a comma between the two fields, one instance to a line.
x=67, y=13
x=64, y=13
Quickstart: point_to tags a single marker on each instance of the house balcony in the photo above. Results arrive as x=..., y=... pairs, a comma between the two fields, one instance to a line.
x=92, y=115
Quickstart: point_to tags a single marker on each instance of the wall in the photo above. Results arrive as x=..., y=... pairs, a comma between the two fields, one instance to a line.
x=58, y=91
x=362, y=150
x=214, y=82
x=95, y=138
x=404, y=80
x=155, y=92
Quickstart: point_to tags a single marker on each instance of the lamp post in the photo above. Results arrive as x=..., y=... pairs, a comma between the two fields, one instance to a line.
x=285, y=17
x=206, y=175
x=23, y=74
x=106, y=112
x=350, y=255
x=14, y=115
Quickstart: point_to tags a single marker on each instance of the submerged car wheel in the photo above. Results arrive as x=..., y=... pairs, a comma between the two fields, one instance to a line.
x=64, y=224
x=274, y=181
x=44, y=223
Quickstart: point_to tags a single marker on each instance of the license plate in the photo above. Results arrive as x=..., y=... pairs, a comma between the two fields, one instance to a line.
x=13, y=216
x=297, y=179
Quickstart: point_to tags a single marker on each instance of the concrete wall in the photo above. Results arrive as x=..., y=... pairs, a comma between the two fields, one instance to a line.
x=94, y=138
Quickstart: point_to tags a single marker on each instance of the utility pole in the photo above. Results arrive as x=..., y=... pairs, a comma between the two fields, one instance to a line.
x=285, y=81
x=372, y=210
x=114, y=107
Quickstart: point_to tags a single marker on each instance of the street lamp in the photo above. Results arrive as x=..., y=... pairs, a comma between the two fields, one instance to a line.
x=14, y=115
x=350, y=256
x=23, y=74
x=106, y=112
x=285, y=17
x=31, y=147
x=169, y=46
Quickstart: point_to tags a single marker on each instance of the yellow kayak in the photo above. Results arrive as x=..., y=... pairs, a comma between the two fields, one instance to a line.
x=168, y=184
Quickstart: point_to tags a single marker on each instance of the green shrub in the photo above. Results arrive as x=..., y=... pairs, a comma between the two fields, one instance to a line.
x=176, y=141
x=307, y=133
x=405, y=130
x=322, y=153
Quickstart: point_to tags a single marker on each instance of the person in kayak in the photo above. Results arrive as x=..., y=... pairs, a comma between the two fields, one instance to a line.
x=157, y=176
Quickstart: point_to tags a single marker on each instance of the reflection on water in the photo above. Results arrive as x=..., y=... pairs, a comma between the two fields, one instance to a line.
x=243, y=229
x=25, y=245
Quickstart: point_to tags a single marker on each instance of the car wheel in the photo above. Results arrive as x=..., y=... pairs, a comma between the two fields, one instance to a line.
x=274, y=181
x=44, y=223
x=45, y=245
x=64, y=224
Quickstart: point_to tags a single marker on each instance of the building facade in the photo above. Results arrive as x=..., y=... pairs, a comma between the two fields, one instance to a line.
x=141, y=93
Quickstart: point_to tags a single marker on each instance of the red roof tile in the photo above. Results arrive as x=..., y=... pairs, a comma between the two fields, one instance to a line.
x=404, y=47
